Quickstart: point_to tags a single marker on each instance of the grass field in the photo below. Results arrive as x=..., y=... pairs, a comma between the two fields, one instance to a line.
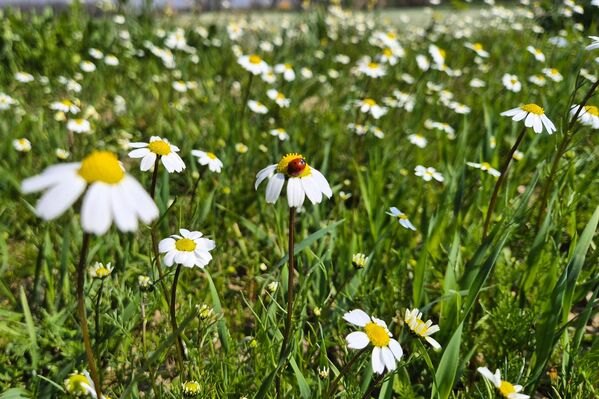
x=434, y=174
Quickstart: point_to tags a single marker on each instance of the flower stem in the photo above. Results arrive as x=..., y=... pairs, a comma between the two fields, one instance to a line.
x=246, y=96
x=373, y=387
x=82, y=317
x=153, y=232
x=344, y=371
x=178, y=342
x=194, y=191
x=154, y=177
x=97, y=322
x=502, y=177
x=290, y=271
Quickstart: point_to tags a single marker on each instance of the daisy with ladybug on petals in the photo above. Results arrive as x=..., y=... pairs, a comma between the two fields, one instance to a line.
x=533, y=115
x=386, y=350
x=157, y=147
x=302, y=181
x=188, y=249
x=208, y=158
x=506, y=389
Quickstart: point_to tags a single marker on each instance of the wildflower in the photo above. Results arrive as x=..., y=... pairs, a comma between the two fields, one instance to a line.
x=79, y=125
x=257, y=107
x=371, y=69
x=595, y=44
x=95, y=53
x=368, y=105
x=280, y=133
x=272, y=286
x=188, y=249
x=62, y=153
x=428, y=174
x=553, y=74
x=278, y=97
x=390, y=55
x=403, y=219
x=66, y=106
x=511, y=83
x=438, y=55
x=478, y=49
x=418, y=140
x=535, y=117
x=344, y=196
x=302, y=180
x=588, y=116
x=413, y=319
x=477, y=83
x=111, y=195
x=21, y=145
x=157, y=147
x=24, y=77
x=358, y=129
x=538, y=80
x=87, y=66
x=518, y=155
x=6, y=101
x=79, y=384
x=323, y=373
x=423, y=62
x=191, y=389
x=180, y=86
x=485, y=166
x=539, y=56
x=386, y=350
x=286, y=70
x=101, y=271
x=254, y=64
x=359, y=260
x=506, y=389
x=317, y=311
x=111, y=60
x=144, y=282
x=208, y=158
x=241, y=148
x=176, y=39
x=205, y=312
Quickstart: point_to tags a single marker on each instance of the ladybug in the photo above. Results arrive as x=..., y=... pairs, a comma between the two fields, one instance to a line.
x=296, y=166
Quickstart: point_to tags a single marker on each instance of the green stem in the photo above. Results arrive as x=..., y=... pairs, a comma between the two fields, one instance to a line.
x=344, y=371
x=373, y=387
x=82, y=317
x=502, y=177
x=178, y=342
x=97, y=322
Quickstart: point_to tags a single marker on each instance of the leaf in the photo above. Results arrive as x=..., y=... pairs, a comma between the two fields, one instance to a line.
x=301, y=381
x=15, y=393
x=446, y=371
x=221, y=326
x=30, y=330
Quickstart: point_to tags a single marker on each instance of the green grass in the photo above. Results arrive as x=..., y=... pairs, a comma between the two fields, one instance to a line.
x=522, y=300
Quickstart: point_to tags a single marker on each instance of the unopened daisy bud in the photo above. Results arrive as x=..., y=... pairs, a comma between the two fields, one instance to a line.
x=323, y=373
x=272, y=287
x=347, y=182
x=263, y=267
x=253, y=343
x=62, y=154
x=359, y=260
x=77, y=383
x=205, y=311
x=144, y=282
x=317, y=311
x=518, y=155
x=191, y=389
x=101, y=271
x=241, y=148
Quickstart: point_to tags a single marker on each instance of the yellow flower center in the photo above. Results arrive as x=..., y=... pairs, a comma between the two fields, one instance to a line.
x=288, y=66
x=539, y=52
x=477, y=46
x=485, y=166
x=421, y=327
x=442, y=52
x=391, y=35
x=80, y=121
x=369, y=101
x=102, y=272
x=591, y=109
x=255, y=59
x=373, y=65
x=554, y=71
x=283, y=165
x=185, y=244
x=67, y=103
x=280, y=96
x=191, y=387
x=73, y=384
x=160, y=147
x=514, y=81
x=387, y=52
x=211, y=155
x=533, y=109
x=377, y=335
x=101, y=166
x=506, y=388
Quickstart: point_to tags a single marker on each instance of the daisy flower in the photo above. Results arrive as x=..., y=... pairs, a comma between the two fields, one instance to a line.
x=6, y=101
x=478, y=49
x=539, y=56
x=588, y=116
x=280, y=133
x=538, y=80
x=438, y=55
x=418, y=140
x=87, y=66
x=390, y=55
x=110, y=193
x=485, y=166
x=99, y=270
x=157, y=147
x=79, y=125
x=254, y=64
x=386, y=350
x=403, y=219
x=371, y=69
x=24, y=77
x=428, y=174
x=278, y=97
x=511, y=83
x=368, y=105
x=21, y=145
x=302, y=180
x=191, y=389
x=79, y=384
x=188, y=249
x=413, y=319
x=111, y=60
x=506, y=389
x=595, y=43
x=535, y=117
x=95, y=53
x=553, y=74
x=66, y=106
x=208, y=158
x=257, y=107
x=286, y=70
x=180, y=86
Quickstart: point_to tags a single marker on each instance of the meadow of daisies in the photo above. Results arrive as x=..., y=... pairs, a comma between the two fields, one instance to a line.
x=433, y=175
